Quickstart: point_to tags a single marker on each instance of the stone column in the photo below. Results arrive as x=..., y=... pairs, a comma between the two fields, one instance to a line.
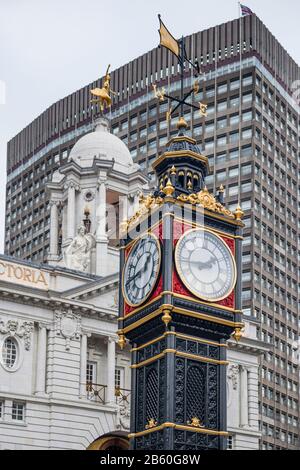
x=41, y=360
x=54, y=227
x=253, y=397
x=71, y=211
x=244, y=396
x=111, y=365
x=83, y=363
x=136, y=202
x=101, y=236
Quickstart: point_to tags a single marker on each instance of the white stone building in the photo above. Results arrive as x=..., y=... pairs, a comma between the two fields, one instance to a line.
x=64, y=382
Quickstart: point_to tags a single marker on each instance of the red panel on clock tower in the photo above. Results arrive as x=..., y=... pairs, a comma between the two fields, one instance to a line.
x=178, y=286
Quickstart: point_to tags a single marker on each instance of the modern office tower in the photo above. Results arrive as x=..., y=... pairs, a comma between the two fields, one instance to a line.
x=251, y=137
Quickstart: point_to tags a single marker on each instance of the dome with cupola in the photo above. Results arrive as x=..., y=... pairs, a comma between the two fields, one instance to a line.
x=101, y=144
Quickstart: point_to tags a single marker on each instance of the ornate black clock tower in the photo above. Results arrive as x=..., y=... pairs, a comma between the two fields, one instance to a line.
x=180, y=301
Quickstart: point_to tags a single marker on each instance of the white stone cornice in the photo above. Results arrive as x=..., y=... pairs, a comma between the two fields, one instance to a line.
x=53, y=303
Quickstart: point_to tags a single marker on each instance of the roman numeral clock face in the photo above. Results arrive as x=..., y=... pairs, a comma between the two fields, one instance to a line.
x=205, y=264
x=141, y=270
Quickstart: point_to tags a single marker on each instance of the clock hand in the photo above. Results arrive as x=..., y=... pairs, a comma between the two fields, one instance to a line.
x=141, y=270
x=203, y=265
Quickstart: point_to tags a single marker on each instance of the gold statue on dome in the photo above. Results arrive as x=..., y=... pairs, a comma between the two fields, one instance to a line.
x=103, y=97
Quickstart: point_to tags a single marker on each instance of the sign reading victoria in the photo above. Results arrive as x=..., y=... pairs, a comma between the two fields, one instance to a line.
x=24, y=275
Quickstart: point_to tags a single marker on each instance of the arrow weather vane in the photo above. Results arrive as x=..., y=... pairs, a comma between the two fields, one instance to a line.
x=178, y=49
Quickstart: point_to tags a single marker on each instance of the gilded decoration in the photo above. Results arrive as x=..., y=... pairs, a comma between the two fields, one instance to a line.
x=205, y=199
x=147, y=204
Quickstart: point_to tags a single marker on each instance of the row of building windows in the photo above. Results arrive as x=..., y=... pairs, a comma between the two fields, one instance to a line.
x=271, y=376
x=277, y=433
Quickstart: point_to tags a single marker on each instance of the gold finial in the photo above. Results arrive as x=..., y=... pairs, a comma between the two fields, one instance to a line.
x=169, y=188
x=166, y=318
x=182, y=123
x=221, y=189
x=237, y=335
x=151, y=424
x=103, y=97
x=190, y=185
x=239, y=214
x=173, y=170
x=122, y=340
x=161, y=187
x=195, y=423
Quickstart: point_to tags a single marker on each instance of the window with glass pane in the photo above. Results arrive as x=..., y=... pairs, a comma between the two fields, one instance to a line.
x=221, y=158
x=221, y=123
x=234, y=102
x=233, y=190
x=222, y=106
x=247, y=134
x=9, y=352
x=222, y=88
x=247, y=98
x=234, y=84
x=210, y=92
x=233, y=154
x=247, y=80
x=91, y=372
x=117, y=378
x=210, y=127
x=197, y=130
x=246, y=169
x=233, y=172
x=222, y=140
x=18, y=411
x=234, y=120
x=246, y=151
x=247, y=116
x=234, y=137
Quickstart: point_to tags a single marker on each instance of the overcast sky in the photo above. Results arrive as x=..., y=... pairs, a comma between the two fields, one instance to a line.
x=50, y=48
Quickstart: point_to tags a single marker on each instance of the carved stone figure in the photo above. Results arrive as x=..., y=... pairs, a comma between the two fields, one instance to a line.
x=78, y=253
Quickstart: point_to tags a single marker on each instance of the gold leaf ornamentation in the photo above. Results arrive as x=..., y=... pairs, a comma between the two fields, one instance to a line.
x=207, y=200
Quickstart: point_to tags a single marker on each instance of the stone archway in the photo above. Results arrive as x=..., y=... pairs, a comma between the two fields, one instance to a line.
x=112, y=441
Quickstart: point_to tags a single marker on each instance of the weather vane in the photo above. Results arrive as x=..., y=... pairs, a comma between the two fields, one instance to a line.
x=178, y=49
x=103, y=97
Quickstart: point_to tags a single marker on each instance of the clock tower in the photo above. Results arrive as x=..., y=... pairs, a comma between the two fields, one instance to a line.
x=181, y=300
x=180, y=293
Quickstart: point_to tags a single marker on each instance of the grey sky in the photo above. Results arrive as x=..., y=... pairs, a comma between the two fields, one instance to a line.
x=50, y=48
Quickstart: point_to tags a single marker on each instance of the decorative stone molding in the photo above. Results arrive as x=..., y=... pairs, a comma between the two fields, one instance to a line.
x=233, y=374
x=55, y=203
x=72, y=184
x=89, y=195
x=21, y=329
x=68, y=325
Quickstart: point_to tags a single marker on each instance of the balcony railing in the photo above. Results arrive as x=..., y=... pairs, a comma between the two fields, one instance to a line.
x=97, y=392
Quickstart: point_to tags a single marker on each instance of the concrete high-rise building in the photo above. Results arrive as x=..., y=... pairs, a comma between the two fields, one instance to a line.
x=251, y=137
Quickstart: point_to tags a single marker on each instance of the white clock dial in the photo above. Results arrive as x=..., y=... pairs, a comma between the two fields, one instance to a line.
x=205, y=264
x=141, y=270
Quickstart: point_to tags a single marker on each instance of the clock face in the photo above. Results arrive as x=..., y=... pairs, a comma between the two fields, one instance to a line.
x=205, y=264
x=141, y=270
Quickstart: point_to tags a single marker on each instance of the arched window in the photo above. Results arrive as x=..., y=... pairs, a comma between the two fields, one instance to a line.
x=9, y=352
